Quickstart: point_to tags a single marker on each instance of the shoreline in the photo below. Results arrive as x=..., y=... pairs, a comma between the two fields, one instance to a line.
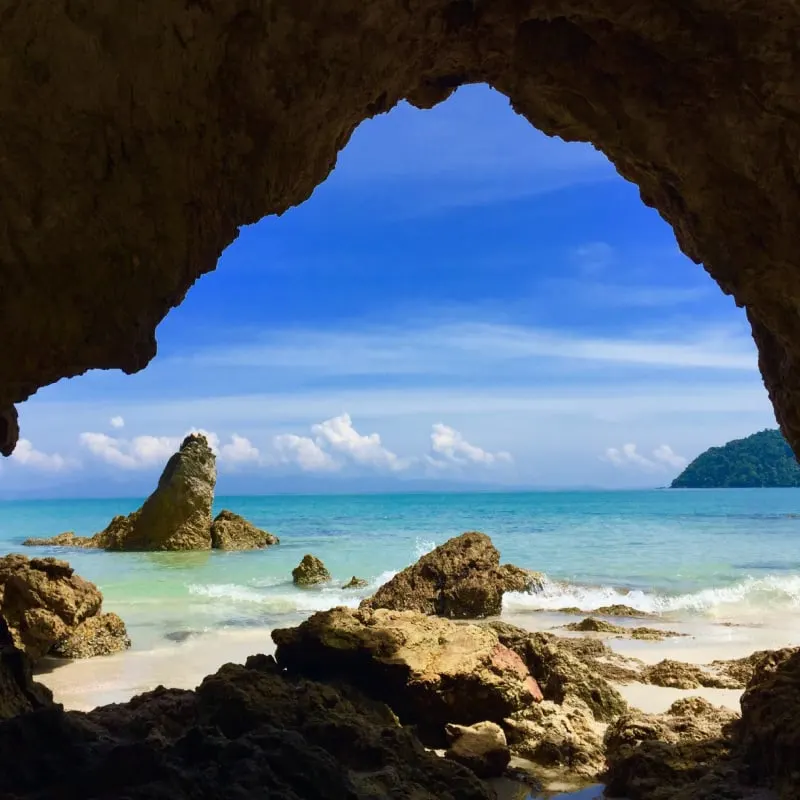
x=84, y=684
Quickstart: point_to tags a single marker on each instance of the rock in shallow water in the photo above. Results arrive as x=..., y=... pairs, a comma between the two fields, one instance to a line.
x=461, y=579
x=176, y=516
x=247, y=732
x=310, y=572
x=355, y=583
x=231, y=531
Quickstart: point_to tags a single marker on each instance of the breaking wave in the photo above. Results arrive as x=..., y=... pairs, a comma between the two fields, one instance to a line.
x=770, y=593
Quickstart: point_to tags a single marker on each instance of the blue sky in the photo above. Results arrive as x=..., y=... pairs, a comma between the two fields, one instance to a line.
x=463, y=300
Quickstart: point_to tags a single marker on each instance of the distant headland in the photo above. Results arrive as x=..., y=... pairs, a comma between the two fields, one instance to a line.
x=758, y=461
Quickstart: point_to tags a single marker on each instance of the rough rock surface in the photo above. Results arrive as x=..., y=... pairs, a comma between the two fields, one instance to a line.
x=559, y=736
x=481, y=747
x=559, y=673
x=429, y=671
x=461, y=579
x=176, y=516
x=355, y=583
x=770, y=729
x=616, y=610
x=19, y=693
x=680, y=755
x=247, y=732
x=230, y=531
x=594, y=625
x=46, y=604
x=102, y=635
x=310, y=571
x=123, y=185
x=679, y=675
x=740, y=670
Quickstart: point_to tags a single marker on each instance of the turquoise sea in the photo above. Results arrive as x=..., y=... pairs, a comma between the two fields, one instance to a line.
x=723, y=554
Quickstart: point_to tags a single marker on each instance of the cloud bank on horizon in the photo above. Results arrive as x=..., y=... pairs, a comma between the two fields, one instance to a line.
x=485, y=302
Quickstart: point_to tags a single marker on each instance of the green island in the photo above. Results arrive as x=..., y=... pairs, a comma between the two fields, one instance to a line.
x=761, y=460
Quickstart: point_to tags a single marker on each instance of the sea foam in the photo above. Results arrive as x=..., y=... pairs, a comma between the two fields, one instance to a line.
x=771, y=593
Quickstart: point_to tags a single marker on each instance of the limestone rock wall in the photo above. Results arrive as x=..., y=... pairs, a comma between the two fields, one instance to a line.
x=136, y=139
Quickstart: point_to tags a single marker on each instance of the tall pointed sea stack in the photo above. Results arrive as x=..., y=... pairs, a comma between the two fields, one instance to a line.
x=177, y=515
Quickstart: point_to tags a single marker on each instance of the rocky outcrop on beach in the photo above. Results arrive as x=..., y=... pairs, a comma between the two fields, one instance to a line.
x=560, y=737
x=684, y=754
x=51, y=610
x=594, y=625
x=231, y=531
x=310, y=572
x=102, y=635
x=355, y=583
x=461, y=579
x=247, y=731
x=445, y=677
x=679, y=675
x=429, y=671
x=616, y=610
x=769, y=734
x=19, y=693
x=559, y=673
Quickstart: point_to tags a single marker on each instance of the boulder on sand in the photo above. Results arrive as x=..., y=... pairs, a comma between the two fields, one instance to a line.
x=46, y=604
x=176, y=516
x=461, y=579
x=246, y=732
x=231, y=531
x=429, y=671
x=310, y=571
x=102, y=635
x=481, y=747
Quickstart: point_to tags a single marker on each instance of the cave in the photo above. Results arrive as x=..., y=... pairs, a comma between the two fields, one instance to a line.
x=136, y=142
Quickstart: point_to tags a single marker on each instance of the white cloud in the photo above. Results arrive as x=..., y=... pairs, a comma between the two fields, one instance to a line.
x=450, y=444
x=339, y=435
x=140, y=452
x=661, y=458
x=666, y=455
x=117, y=422
x=593, y=257
x=467, y=349
x=27, y=455
x=144, y=452
x=304, y=453
x=240, y=450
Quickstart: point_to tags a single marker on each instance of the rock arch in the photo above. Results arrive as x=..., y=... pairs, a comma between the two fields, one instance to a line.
x=135, y=138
